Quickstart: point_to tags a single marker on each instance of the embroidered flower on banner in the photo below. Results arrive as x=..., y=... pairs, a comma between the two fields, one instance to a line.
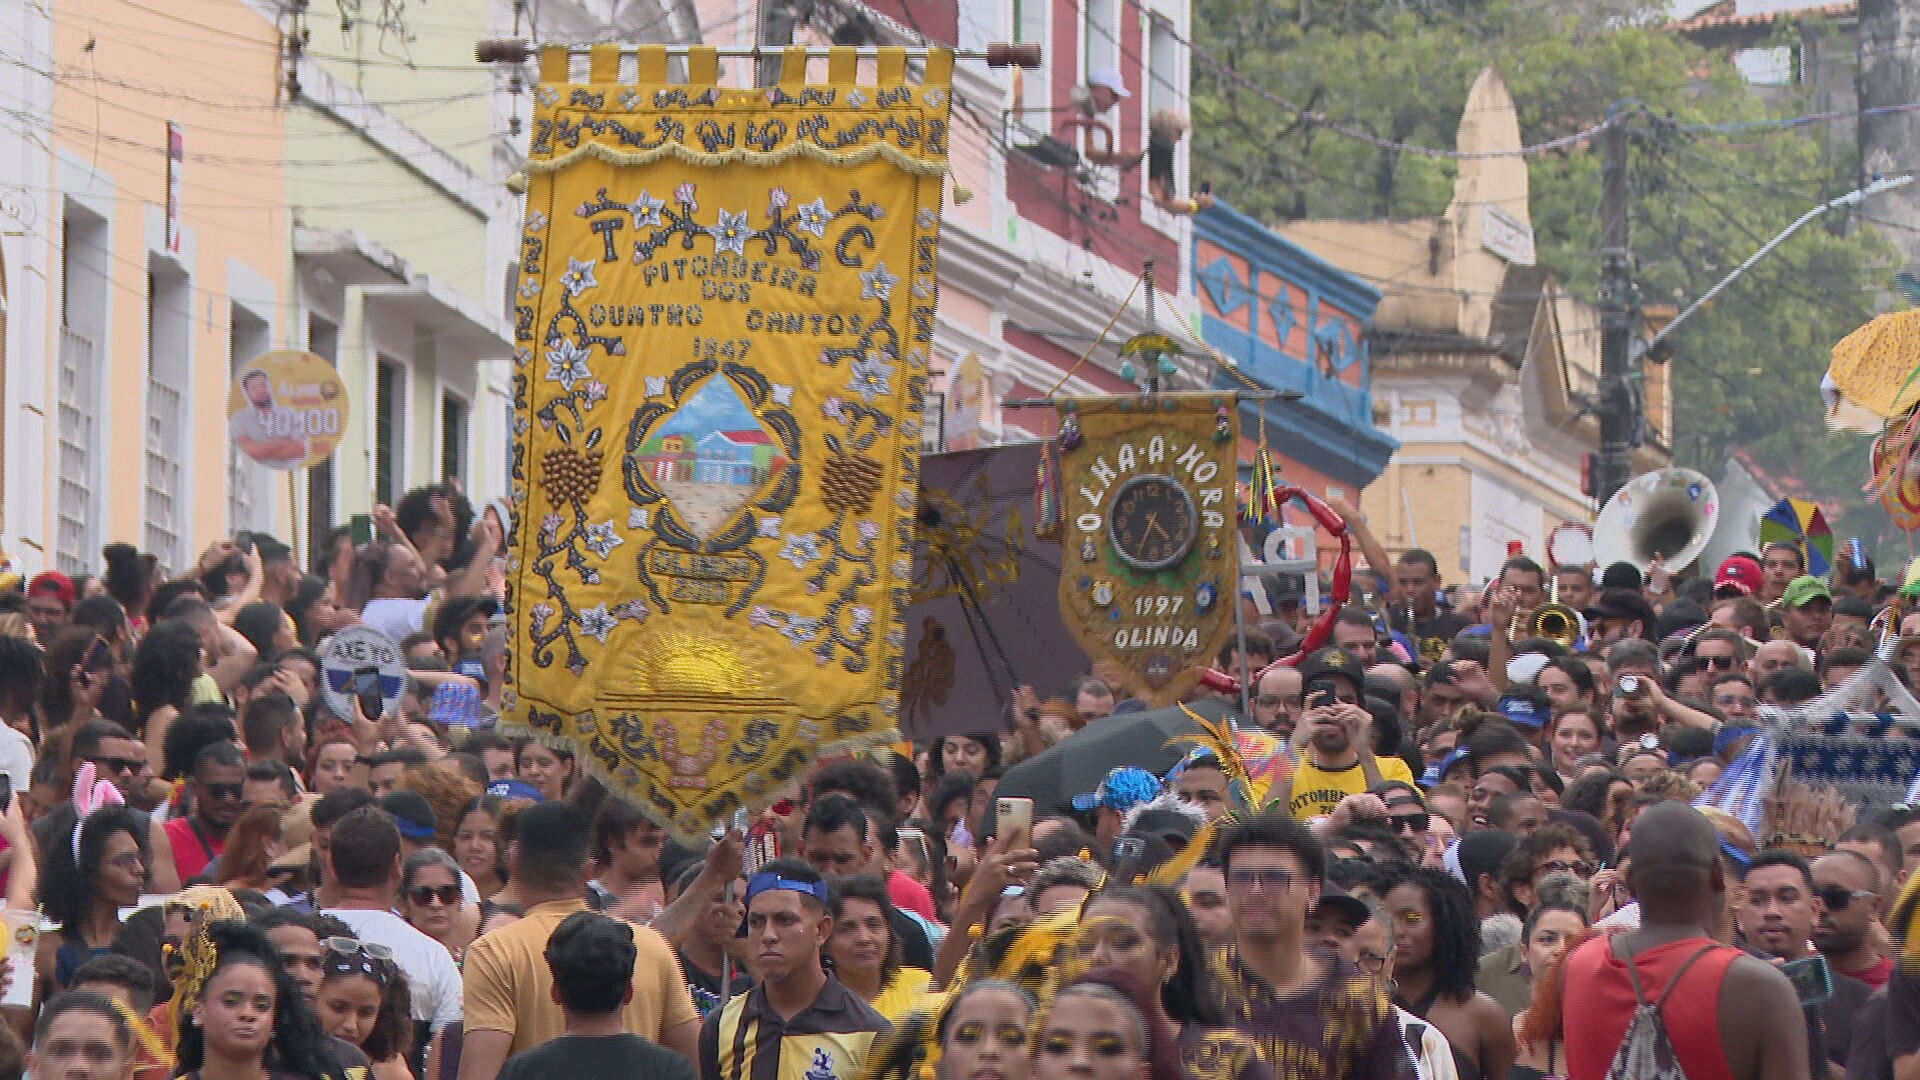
x=801, y=629
x=579, y=276
x=800, y=549
x=684, y=196
x=630, y=99
x=862, y=618
x=935, y=98
x=551, y=524
x=601, y=539
x=782, y=394
x=656, y=385
x=541, y=613
x=770, y=526
x=529, y=288
x=567, y=363
x=869, y=531
x=637, y=518
x=877, y=283
x=732, y=233
x=597, y=622
x=813, y=217
x=536, y=221
x=872, y=377
x=834, y=409
x=596, y=392
x=634, y=610
x=646, y=210
x=778, y=199
x=761, y=615
x=856, y=99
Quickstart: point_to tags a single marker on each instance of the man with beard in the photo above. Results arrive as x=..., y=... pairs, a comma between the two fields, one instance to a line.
x=219, y=779
x=1338, y=759
x=1847, y=884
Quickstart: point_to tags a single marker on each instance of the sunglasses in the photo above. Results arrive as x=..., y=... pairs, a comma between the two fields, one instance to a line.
x=1414, y=823
x=118, y=764
x=1838, y=897
x=1715, y=663
x=444, y=895
x=223, y=791
x=348, y=956
x=1579, y=868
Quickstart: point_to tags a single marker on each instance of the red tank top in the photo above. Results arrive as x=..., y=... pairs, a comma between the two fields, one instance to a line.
x=1598, y=1004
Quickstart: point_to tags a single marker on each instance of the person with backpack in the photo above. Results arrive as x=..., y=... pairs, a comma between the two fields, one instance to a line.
x=1668, y=1001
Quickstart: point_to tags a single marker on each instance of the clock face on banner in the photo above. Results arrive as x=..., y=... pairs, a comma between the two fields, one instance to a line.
x=1152, y=524
x=1148, y=549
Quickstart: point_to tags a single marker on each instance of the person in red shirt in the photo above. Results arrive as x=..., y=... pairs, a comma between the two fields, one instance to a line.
x=1731, y=1017
x=1847, y=884
x=219, y=777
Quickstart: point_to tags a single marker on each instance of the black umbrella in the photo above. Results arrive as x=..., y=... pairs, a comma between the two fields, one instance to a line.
x=1076, y=764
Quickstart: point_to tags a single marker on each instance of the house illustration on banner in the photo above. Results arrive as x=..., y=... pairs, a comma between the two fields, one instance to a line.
x=712, y=440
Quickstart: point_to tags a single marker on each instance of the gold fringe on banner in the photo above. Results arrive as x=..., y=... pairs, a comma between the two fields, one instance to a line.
x=724, y=319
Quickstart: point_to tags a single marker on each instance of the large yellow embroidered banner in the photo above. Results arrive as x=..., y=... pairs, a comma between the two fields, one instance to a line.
x=1149, y=573
x=725, y=311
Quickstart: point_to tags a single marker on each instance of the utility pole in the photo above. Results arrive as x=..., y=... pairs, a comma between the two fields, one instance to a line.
x=1620, y=399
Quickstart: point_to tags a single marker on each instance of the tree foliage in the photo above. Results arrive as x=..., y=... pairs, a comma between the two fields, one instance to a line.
x=1747, y=369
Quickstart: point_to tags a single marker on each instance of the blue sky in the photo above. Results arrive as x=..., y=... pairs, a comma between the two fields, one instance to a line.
x=716, y=406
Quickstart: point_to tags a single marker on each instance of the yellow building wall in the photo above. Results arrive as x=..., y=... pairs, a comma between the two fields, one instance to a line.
x=126, y=70
x=1438, y=496
x=344, y=181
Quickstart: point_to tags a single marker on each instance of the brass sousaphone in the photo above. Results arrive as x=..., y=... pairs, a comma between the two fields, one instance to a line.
x=1667, y=514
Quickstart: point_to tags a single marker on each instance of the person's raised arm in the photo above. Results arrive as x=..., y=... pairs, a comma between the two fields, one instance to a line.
x=23, y=876
x=990, y=879
x=237, y=657
x=723, y=866
x=249, y=592
x=1371, y=549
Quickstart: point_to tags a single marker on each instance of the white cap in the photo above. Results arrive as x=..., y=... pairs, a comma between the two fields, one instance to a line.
x=1110, y=79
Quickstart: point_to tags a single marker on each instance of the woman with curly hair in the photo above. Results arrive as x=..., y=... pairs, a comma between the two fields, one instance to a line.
x=85, y=895
x=1147, y=932
x=130, y=579
x=165, y=664
x=447, y=792
x=364, y=1001
x=1436, y=937
x=1103, y=1026
x=249, y=1020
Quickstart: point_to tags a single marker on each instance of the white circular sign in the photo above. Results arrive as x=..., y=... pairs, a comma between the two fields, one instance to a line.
x=361, y=662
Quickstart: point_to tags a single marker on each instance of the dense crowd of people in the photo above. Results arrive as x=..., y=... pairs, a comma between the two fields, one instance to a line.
x=1441, y=847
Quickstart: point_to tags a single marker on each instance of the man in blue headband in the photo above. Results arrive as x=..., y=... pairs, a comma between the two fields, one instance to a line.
x=805, y=1022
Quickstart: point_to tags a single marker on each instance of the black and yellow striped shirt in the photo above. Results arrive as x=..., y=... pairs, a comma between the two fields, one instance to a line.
x=827, y=1040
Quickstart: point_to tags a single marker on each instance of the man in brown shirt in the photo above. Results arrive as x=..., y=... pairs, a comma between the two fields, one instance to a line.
x=509, y=1003
x=1313, y=1015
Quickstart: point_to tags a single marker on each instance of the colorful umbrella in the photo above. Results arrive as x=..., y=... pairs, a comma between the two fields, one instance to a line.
x=1877, y=369
x=1800, y=522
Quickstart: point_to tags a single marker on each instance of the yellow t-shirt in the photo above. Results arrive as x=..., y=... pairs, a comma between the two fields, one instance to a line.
x=508, y=984
x=1317, y=791
x=906, y=991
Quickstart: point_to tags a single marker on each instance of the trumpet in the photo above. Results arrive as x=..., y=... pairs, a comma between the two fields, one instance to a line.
x=1558, y=623
x=1553, y=620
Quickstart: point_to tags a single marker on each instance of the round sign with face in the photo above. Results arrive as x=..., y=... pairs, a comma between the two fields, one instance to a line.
x=361, y=662
x=287, y=409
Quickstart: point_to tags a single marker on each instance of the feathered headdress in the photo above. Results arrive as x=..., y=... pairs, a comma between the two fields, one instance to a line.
x=1218, y=739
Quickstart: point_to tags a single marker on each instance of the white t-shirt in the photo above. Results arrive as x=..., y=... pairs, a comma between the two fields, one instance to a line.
x=428, y=966
x=395, y=616
x=16, y=757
